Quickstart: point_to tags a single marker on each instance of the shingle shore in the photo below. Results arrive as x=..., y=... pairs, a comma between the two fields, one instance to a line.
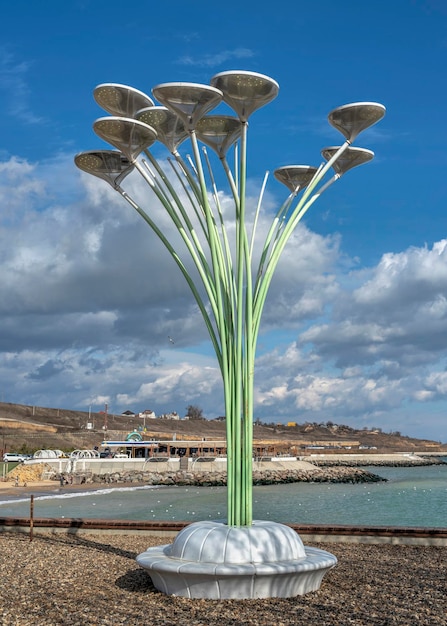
x=59, y=580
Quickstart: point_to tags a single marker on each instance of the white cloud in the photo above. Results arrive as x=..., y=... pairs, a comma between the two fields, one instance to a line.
x=399, y=313
x=90, y=297
x=212, y=60
x=14, y=86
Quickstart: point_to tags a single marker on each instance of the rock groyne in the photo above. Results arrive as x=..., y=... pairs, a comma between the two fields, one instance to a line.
x=212, y=479
x=396, y=461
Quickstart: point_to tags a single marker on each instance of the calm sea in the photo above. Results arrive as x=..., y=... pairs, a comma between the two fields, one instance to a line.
x=415, y=496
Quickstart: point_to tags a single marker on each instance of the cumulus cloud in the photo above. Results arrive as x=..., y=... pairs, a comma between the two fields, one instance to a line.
x=398, y=313
x=90, y=298
x=385, y=340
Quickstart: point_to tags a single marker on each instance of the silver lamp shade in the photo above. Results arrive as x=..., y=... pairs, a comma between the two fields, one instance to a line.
x=120, y=100
x=352, y=119
x=190, y=101
x=170, y=128
x=110, y=165
x=244, y=91
x=219, y=132
x=129, y=136
x=295, y=177
x=351, y=157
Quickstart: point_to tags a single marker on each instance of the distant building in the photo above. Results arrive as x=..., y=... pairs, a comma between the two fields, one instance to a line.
x=148, y=414
x=170, y=416
x=128, y=413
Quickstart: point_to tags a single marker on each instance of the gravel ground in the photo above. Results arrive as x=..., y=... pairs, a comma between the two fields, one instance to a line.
x=94, y=580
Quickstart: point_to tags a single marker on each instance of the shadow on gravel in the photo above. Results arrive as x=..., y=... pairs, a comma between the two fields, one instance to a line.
x=77, y=540
x=136, y=581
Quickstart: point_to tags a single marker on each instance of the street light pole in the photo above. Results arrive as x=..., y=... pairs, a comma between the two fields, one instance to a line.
x=229, y=289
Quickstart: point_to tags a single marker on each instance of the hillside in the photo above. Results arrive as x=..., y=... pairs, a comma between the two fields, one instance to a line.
x=28, y=428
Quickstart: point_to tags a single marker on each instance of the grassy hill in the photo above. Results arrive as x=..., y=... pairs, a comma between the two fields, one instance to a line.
x=28, y=428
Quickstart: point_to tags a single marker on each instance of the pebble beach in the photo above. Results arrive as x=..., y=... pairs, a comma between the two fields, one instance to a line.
x=75, y=580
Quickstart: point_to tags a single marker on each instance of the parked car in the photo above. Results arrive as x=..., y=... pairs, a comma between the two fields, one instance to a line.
x=14, y=457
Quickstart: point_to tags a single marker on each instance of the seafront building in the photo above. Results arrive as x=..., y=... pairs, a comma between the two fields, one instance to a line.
x=135, y=445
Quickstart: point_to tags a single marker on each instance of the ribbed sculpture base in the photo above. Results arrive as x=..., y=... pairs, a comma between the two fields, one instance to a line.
x=215, y=561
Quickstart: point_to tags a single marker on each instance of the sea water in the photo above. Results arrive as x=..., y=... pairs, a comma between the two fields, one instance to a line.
x=415, y=496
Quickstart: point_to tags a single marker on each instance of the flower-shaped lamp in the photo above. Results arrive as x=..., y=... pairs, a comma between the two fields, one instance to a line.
x=110, y=165
x=219, y=132
x=295, y=177
x=190, y=101
x=120, y=100
x=244, y=91
x=129, y=136
x=351, y=157
x=352, y=119
x=170, y=128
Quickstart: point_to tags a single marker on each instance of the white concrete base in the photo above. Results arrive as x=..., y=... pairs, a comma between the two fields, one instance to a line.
x=214, y=561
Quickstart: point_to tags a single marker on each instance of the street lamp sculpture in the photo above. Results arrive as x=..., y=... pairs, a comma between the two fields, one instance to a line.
x=232, y=277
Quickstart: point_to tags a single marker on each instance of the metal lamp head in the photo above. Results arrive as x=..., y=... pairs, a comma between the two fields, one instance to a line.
x=120, y=100
x=110, y=165
x=244, y=91
x=190, y=101
x=351, y=157
x=352, y=119
x=170, y=128
x=130, y=136
x=295, y=177
x=219, y=132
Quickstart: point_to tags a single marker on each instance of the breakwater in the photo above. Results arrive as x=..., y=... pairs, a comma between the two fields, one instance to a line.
x=365, y=461
x=350, y=475
x=203, y=471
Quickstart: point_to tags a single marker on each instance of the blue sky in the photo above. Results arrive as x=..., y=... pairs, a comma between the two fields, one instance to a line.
x=355, y=329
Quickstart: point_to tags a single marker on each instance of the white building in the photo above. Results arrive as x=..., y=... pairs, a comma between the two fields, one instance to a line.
x=147, y=414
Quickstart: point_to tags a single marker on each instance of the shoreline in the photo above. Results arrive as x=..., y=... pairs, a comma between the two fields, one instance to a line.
x=129, y=478
x=324, y=469
x=53, y=487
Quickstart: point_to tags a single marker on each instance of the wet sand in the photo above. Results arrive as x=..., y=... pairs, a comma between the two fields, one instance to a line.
x=51, y=486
